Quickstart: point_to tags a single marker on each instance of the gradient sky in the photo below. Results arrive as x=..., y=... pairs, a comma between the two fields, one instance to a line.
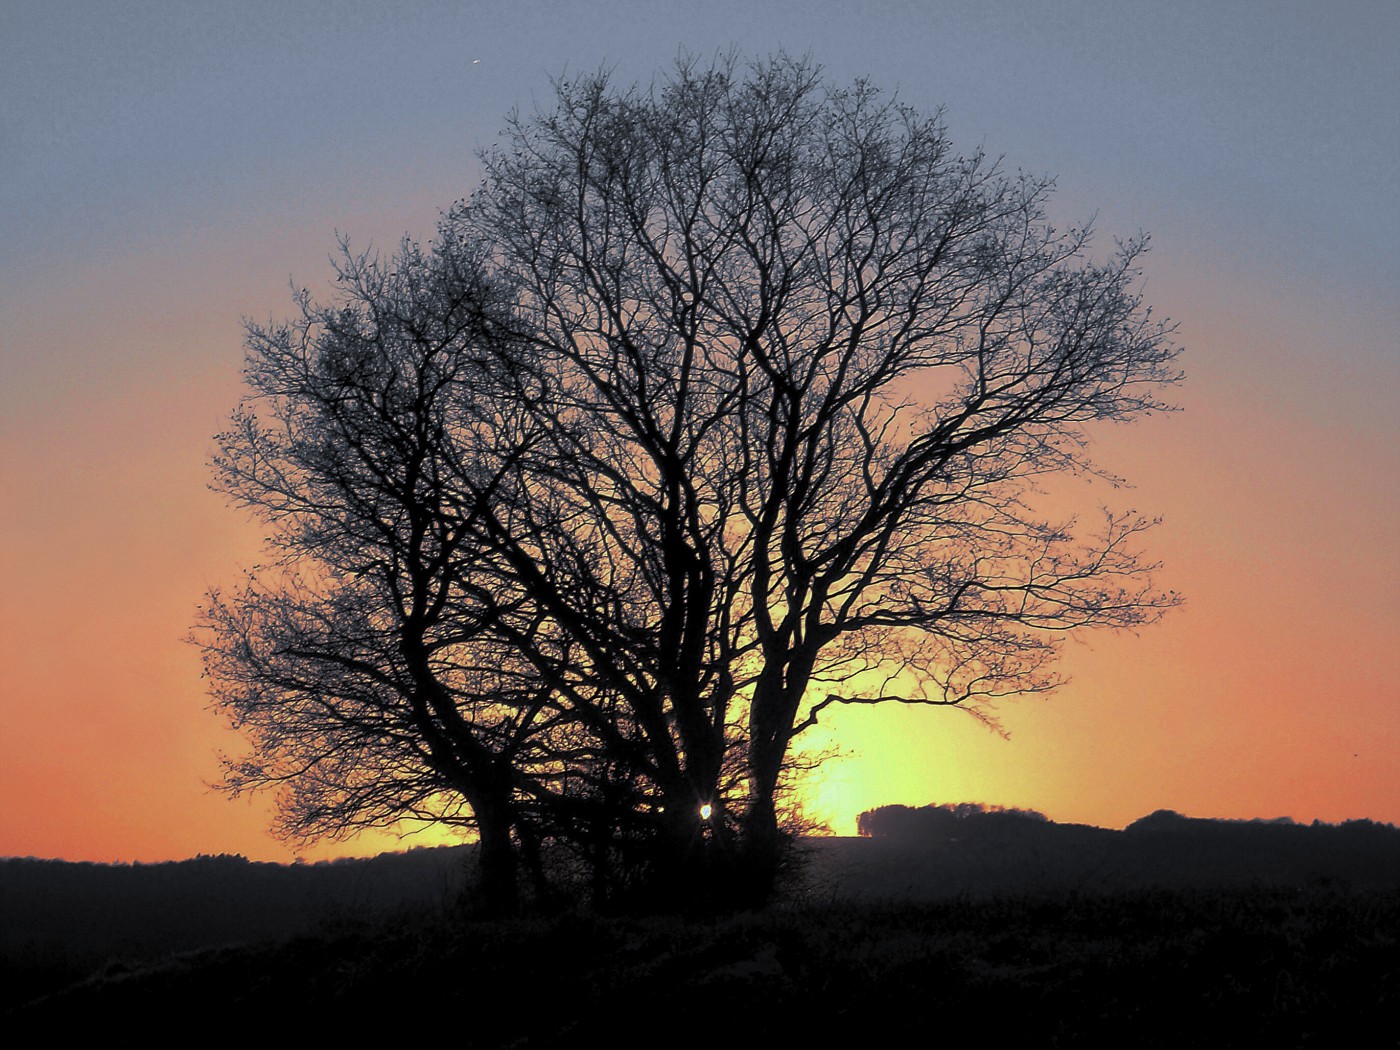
x=167, y=168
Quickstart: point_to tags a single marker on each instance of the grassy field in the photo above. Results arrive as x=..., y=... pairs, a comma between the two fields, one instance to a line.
x=1272, y=967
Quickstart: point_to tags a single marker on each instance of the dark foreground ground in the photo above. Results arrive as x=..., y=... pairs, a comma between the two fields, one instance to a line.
x=991, y=932
x=1248, y=967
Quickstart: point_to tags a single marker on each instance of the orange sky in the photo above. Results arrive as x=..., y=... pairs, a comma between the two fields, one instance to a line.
x=163, y=170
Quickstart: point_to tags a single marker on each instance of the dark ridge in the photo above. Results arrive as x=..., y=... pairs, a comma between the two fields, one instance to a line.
x=61, y=921
x=935, y=851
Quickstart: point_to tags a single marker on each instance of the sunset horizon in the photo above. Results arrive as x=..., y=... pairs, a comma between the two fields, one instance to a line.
x=173, y=173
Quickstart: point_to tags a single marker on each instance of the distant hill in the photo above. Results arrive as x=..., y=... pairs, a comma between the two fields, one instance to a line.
x=60, y=921
x=935, y=852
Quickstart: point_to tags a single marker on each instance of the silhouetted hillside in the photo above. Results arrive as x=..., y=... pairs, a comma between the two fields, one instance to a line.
x=938, y=851
x=60, y=921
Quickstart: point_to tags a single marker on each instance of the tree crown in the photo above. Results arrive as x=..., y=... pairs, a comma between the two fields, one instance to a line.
x=719, y=403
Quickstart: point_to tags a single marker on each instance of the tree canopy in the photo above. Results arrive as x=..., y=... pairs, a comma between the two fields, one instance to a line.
x=720, y=402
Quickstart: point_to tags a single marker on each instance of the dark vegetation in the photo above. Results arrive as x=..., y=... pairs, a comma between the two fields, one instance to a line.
x=1265, y=967
x=1208, y=933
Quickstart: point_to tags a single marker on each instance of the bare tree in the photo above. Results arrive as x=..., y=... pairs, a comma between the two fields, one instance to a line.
x=366, y=661
x=801, y=366
x=720, y=403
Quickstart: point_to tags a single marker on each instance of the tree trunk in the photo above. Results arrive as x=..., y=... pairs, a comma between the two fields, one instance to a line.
x=688, y=867
x=762, y=850
x=762, y=843
x=498, y=890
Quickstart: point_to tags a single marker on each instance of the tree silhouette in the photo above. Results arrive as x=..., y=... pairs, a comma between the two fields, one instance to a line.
x=363, y=662
x=748, y=392
x=805, y=363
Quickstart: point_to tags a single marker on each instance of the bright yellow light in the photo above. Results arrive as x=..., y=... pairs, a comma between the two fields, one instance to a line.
x=705, y=811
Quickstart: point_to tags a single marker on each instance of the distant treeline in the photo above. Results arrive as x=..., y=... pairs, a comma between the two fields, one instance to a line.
x=908, y=821
x=973, y=817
